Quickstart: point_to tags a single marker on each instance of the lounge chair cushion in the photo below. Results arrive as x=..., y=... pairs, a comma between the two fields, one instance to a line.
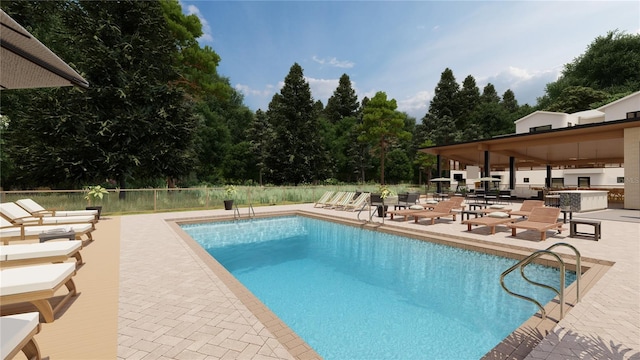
x=33, y=278
x=432, y=201
x=498, y=214
x=35, y=230
x=496, y=207
x=416, y=207
x=33, y=207
x=30, y=251
x=14, y=329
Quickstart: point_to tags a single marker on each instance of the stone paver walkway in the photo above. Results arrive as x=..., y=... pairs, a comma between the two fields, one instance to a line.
x=172, y=305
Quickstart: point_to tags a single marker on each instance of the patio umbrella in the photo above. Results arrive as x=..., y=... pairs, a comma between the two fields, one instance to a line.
x=27, y=63
x=441, y=180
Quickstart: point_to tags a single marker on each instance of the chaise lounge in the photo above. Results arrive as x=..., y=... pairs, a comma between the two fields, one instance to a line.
x=526, y=207
x=491, y=220
x=18, y=215
x=29, y=254
x=324, y=199
x=10, y=232
x=16, y=335
x=540, y=219
x=36, y=209
x=442, y=209
x=37, y=284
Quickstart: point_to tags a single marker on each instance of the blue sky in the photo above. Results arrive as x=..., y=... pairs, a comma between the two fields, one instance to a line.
x=402, y=47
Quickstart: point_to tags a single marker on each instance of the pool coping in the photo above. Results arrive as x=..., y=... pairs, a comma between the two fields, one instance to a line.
x=515, y=346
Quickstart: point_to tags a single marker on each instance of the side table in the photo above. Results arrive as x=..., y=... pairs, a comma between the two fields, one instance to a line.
x=46, y=236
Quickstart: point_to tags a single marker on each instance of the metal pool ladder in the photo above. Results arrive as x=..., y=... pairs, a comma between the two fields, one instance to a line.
x=560, y=292
x=371, y=213
x=236, y=212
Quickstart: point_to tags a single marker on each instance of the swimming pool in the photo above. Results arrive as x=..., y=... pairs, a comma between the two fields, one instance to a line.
x=353, y=293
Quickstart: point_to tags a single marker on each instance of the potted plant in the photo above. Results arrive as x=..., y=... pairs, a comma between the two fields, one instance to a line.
x=230, y=192
x=384, y=193
x=96, y=193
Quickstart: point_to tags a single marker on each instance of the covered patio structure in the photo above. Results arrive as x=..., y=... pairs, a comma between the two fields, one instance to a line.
x=590, y=145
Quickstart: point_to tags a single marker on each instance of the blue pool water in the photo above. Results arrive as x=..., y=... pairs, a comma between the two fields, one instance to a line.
x=358, y=294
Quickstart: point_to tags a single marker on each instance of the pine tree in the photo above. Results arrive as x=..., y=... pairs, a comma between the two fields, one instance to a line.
x=295, y=154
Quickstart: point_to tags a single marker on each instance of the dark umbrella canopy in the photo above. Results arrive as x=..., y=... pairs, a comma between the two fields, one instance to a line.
x=26, y=63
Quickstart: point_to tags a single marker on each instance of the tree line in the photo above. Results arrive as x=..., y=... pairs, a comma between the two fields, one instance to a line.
x=157, y=112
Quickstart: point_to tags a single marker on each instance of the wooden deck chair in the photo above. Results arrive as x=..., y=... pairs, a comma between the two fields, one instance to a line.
x=405, y=213
x=37, y=284
x=324, y=199
x=334, y=199
x=347, y=198
x=16, y=335
x=10, y=232
x=456, y=201
x=18, y=215
x=540, y=219
x=358, y=203
x=442, y=209
x=495, y=208
x=491, y=220
x=526, y=207
x=36, y=209
x=29, y=254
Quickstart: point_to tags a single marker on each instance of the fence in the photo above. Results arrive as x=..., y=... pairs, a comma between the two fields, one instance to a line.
x=129, y=201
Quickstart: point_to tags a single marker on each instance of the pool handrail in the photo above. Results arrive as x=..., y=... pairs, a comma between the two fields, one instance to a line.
x=560, y=292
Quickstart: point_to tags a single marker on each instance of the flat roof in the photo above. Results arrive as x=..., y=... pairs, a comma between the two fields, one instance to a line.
x=581, y=145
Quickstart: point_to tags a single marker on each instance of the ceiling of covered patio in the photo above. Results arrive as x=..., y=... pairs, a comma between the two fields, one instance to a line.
x=590, y=145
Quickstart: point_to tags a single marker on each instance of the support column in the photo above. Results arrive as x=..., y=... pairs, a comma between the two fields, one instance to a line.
x=487, y=171
x=438, y=170
x=548, y=182
x=512, y=173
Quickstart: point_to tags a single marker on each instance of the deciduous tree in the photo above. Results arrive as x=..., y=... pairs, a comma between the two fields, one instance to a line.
x=382, y=126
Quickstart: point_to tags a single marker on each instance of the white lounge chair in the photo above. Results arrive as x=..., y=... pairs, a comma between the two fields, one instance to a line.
x=36, y=209
x=16, y=335
x=18, y=215
x=10, y=232
x=29, y=254
x=37, y=284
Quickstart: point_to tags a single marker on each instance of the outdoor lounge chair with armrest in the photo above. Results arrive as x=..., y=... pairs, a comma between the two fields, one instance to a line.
x=526, y=207
x=36, y=209
x=37, y=284
x=324, y=199
x=442, y=209
x=10, y=232
x=540, y=219
x=16, y=335
x=18, y=215
x=407, y=200
x=38, y=253
x=491, y=220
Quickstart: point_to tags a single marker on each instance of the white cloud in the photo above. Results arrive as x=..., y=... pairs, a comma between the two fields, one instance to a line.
x=527, y=85
x=416, y=105
x=206, y=28
x=344, y=64
x=322, y=89
x=248, y=91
